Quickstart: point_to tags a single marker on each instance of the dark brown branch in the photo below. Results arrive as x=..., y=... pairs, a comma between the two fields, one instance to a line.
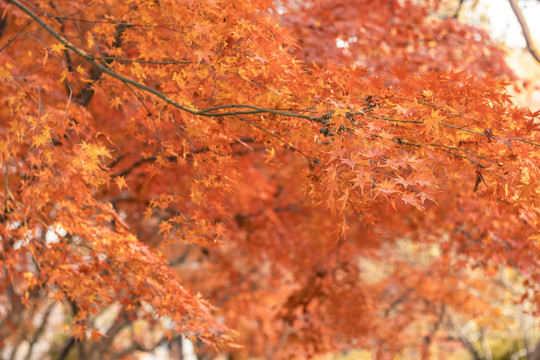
x=458, y=10
x=466, y=342
x=440, y=317
x=277, y=137
x=87, y=92
x=523, y=140
x=445, y=149
x=171, y=62
x=179, y=260
x=71, y=342
x=66, y=349
x=16, y=309
x=465, y=151
x=173, y=158
x=525, y=30
x=399, y=300
x=3, y=23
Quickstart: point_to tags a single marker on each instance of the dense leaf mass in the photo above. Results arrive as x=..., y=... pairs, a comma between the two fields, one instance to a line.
x=267, y=157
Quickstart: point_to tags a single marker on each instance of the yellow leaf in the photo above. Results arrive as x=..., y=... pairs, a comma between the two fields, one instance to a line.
x=58, y=48
x=427, y=94
x=271, y=154
x=80, y=70
x=535, y=238
x=196, y=196
x=148, y=213
x=115, y=102
x=63, y=76
x=121, y=182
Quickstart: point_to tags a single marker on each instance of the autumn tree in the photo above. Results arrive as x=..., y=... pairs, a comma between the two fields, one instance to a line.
x=284, y=178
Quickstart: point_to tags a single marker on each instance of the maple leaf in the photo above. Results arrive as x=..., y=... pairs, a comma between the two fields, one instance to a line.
x=405, y=111
x=348, y=162
x=121, y=182
x=532, y=125
x=115, y=102
x=165, y=227
x=260, y=58
x=203, y=54
x=58, y=48
x=343, y=199
x=96, y=335
x=386, y=187
x=403, y=182
x=528, y=191
x=505, y=141
x=271, y=153
x=410, y=198
x=220, y=231
x=78, y=330
x=362, y=176
x=433, y=120
x=427, y=93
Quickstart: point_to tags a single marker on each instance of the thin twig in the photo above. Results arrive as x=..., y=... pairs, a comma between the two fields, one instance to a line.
x=277, y=137
x=16, y=35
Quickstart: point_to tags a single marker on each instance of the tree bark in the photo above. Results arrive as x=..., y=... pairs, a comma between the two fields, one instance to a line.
x=536, y=353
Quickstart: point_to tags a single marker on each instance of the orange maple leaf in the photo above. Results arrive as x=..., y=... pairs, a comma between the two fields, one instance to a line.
x=432, y=121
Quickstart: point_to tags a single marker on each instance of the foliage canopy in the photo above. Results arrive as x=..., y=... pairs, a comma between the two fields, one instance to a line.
x=261, y=155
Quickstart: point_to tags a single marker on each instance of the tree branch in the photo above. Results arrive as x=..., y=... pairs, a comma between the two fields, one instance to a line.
x=66, y=348
x=458, y=10
x=525, y=30
x=39, y=331
x=536, y=354
x=248, y=109
x=173, y=158
x=99, y=348
x=237, y=110
x=2, y=25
